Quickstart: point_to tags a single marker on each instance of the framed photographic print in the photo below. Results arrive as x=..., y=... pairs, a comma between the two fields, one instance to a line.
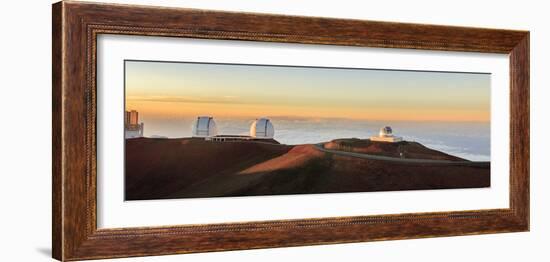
x=182, y=130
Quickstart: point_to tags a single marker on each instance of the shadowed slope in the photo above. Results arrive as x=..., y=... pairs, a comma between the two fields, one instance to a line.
x=156, y=168
x=182, y=168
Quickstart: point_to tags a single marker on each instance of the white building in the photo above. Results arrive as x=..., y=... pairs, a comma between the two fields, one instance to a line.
x=386, y=135
x=262, y=129
x=204, y=126
x=134, y=133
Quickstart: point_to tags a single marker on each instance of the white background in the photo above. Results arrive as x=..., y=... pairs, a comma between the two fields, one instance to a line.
x=114, y=212
x=25, y=191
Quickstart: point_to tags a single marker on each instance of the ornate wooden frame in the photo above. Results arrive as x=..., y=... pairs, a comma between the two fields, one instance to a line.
x=76, y=26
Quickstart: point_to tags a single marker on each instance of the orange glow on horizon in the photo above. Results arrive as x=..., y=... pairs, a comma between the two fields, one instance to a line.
x=172, y=110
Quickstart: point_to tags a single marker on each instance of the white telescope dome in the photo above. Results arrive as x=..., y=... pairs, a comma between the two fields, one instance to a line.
x=204, y=126
x=385, y=131
x=262, y=128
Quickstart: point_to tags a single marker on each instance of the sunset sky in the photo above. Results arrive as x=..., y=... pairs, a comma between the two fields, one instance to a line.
x=167, y=90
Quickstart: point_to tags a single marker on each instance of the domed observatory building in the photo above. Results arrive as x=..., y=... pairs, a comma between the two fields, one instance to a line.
x=262, y=129
x=204, y=126
x=386, y=135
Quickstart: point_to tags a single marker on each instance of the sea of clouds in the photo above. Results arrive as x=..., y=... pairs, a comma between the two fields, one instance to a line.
x=468, y=140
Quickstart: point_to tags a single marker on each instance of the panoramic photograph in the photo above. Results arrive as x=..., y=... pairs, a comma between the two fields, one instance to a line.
x=199, y=130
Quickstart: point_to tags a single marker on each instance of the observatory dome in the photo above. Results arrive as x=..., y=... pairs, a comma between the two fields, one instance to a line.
x=204, y=126
x=385, y=131
x=262, y=128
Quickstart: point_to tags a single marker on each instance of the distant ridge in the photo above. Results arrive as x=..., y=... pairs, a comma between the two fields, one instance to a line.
x=403, y=149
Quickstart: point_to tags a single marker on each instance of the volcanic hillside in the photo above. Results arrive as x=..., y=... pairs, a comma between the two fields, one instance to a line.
x=404, y=149
x=190, y=167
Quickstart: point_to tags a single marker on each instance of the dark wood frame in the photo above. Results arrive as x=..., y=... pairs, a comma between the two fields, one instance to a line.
x=76, y=26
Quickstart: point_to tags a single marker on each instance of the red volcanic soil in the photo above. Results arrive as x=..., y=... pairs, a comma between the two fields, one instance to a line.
x=298, y=156
x=189, y=167
x=406, y=148
x=157, y=168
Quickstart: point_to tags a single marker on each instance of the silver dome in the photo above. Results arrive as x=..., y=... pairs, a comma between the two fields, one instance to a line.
x=204, y=126
x=386, y=131
x=262, y=128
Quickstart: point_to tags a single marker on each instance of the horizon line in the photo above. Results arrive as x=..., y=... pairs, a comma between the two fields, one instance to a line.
x=315, y=117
